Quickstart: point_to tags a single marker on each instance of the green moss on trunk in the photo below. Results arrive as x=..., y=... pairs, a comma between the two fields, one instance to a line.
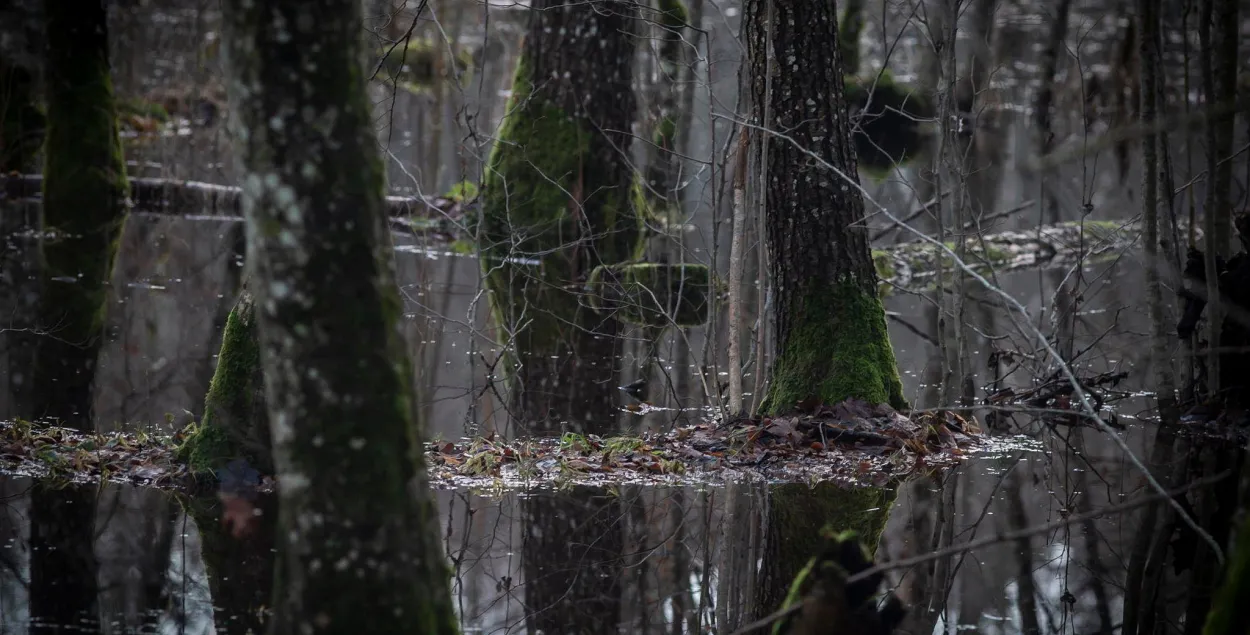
x=838, y=348
x=557, y=201
x=358, y=547
x=235, y=423
x=84, y=192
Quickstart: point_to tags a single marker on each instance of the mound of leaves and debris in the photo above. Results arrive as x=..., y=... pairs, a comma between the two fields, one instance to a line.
x=62, y=454
x=853, y=442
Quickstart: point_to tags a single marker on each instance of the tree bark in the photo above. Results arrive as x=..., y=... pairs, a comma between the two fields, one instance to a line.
x=84, y=192
x=336, y=372
x=829, y=323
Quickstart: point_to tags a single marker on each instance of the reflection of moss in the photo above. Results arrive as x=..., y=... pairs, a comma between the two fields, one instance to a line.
x=652, y=294
x=890, y=118
x=422, y=61
x=797, y=516
x=543, y=181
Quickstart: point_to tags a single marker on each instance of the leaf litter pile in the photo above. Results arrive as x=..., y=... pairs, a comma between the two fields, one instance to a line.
x=67, y=455
x=852, y=442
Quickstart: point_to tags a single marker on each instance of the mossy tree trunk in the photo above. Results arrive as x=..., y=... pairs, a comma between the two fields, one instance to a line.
x=829, y=323
x=357, y=547
x=84, y=194
x=559, y=191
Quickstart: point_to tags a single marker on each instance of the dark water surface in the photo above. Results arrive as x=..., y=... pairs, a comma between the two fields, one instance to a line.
x=121, y=559
x=645, y=558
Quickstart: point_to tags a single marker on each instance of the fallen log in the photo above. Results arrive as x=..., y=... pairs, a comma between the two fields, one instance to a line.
x=173, y=197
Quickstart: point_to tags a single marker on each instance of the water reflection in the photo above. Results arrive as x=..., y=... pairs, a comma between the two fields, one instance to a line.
x=121, y=559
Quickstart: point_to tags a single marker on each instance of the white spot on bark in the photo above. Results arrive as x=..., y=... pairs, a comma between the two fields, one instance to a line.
x=282, y=429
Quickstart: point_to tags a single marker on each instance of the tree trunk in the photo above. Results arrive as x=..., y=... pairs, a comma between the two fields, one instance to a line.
x=357, y=547
x=829, y=323
x=560, y=192
x=84, y=192
x=559, y=198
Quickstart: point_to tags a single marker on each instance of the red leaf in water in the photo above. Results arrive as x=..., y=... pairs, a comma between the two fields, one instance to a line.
x=447, y=448
x=238, y=514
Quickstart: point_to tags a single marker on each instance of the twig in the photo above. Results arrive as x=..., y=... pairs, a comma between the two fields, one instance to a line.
x=1013, y=303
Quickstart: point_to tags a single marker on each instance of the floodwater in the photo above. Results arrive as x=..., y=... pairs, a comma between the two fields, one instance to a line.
x=631, y=559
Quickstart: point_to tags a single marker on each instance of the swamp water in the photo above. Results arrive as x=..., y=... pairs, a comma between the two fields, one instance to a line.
x=664, y=558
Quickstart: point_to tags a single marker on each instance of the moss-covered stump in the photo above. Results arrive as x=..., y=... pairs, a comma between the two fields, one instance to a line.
x=652, y=294
x=235, y=424
x=84, y=192
x=420, y=62
x=891, y=121
x=799, y=518
x=557, y=201
x=21, y=120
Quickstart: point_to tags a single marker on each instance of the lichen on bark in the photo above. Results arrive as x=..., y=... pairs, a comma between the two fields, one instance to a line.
x=84, y=194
